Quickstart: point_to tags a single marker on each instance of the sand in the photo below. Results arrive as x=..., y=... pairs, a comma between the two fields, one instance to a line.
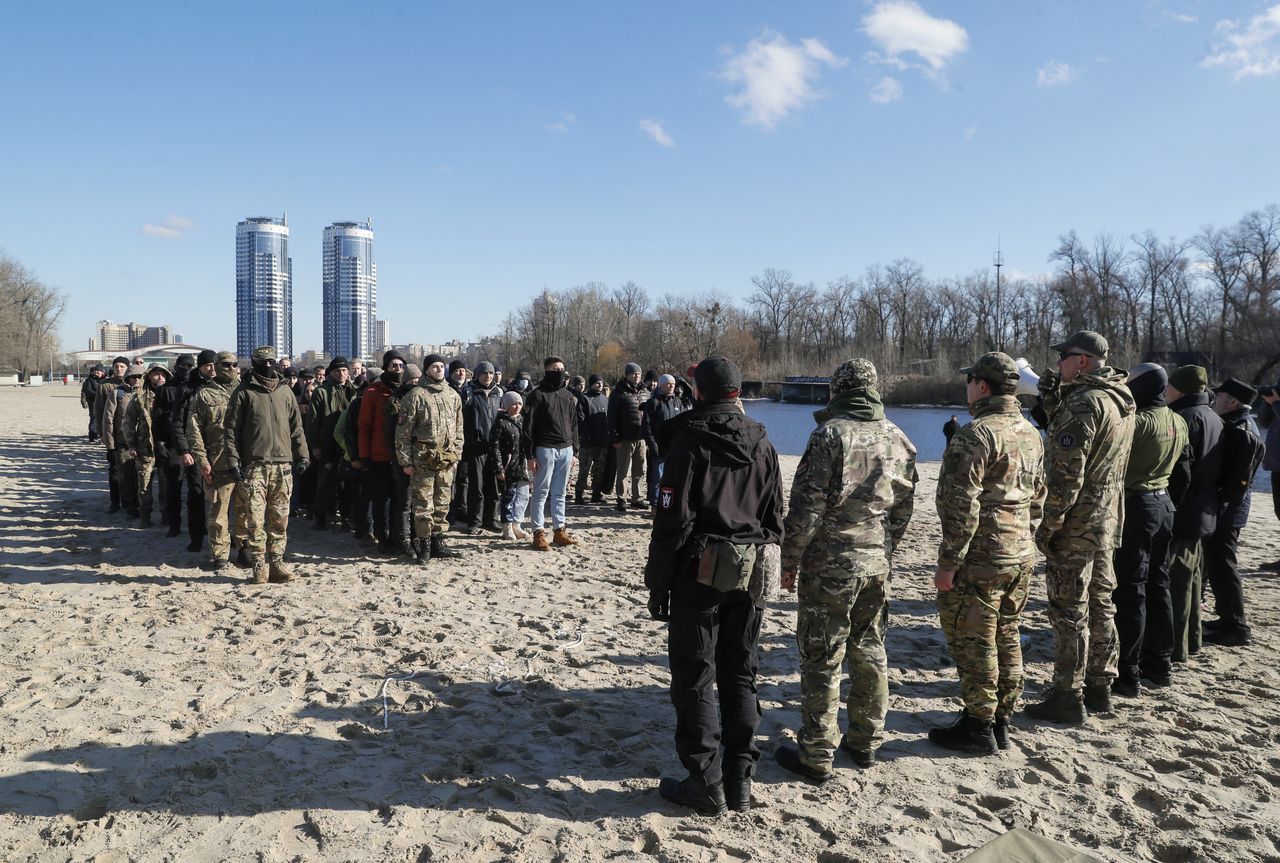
x=150, y=710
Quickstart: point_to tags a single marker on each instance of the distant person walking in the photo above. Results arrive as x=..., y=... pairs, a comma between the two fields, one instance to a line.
x=950, y=427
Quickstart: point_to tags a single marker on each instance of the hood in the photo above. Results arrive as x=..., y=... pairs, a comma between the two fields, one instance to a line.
x=723, y=429
x=860, y=403
x=1113, y=382
x=156, y=367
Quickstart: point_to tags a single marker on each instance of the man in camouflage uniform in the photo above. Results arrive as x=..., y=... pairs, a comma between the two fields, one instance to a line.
x=1090, y=431
x=429, y=441
x=105, y=397
x=990, y=490
x=851, y=500
x=145, y=445
x=114, y=435
x=206, y=418
x=263, y=432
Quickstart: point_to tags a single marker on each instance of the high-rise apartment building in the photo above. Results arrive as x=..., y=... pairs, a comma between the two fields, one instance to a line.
x=264, y=286
x=114, y=338
x=382, y=335
x=350, y=291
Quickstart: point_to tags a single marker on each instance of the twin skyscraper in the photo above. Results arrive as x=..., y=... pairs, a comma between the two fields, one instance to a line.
x=264, y=288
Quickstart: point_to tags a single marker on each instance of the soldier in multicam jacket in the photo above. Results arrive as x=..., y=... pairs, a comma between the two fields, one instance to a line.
x=206, y=416
x=1090, y=431
x=429, y=440
x=851, y=499
x=145, y=446
x=990, y=490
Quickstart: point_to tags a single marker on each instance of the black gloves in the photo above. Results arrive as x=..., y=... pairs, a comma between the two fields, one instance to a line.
x=660, y=605
x=300, y=466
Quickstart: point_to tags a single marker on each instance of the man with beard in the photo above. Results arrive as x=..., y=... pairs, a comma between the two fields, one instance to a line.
x=147, y=436
x=375, y=451
x=479, y=410
x=206, y=438
x=720, y=502
x=263, y=434
x=327, y=404
x=428, y=448
x=103, y=400
x=550, y=444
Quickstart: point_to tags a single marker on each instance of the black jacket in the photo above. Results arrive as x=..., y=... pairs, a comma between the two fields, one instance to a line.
x=722, y=482
x=550, y=419
x=1242, y=454
x=626, y=422
x=1198, y=510
x=504, y=449
x=657, y=412
x=176, y=405
x=479, y=410
x=593, y=419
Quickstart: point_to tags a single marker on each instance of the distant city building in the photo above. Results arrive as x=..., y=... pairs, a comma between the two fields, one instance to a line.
x=382, y=333
x=127, y=337
x=264, y=286
x=311, y=359
x=350, y=291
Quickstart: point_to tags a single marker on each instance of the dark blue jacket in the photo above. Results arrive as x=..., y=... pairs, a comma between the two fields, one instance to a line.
x=593, y=419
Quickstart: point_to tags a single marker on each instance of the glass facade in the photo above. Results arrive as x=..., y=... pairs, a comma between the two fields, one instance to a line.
x=264, y=287
x=350, y=291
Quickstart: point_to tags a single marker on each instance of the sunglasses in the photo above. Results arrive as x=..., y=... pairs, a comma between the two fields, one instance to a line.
x=227, y=365
x=1064, y=356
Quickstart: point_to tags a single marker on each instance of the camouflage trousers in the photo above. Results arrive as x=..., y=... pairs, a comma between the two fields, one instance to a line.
x=225, y=500
x=841, y=619
x=1080, y=580
x=267, y=489
x=1186, y=574
x=429, y=494
x=145, y=466
x=979, y=617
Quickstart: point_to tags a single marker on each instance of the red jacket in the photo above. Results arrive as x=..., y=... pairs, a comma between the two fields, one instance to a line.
x=372, y=423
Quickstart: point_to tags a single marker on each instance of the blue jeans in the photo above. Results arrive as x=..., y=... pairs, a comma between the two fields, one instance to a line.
x=551, y=479
x=515, y=502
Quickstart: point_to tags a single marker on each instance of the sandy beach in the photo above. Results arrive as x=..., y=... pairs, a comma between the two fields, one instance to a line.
x=152, y=711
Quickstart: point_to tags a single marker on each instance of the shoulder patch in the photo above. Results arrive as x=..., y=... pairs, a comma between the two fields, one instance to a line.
x=666, y=497
x=1066, y=440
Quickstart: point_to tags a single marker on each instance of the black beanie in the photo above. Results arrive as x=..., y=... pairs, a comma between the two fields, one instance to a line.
x=651, y=376
x=431, y=360
x=717, y=377
x=338, y=363
x=594, y=379
x=457, y=364
x=206, y=356
x=389, y=356
x=124, y=360
x=1147, y=382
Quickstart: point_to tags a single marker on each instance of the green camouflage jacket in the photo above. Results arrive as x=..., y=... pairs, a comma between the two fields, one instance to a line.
x=429, y=427
x=206, y=432
x=991, y=487
x=1087, y=452
x=851, y=498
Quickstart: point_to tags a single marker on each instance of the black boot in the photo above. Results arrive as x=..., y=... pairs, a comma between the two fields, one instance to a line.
x=1064, y=707
x=174, y=530
x=440, y=548
x=705, y=799
x=1097, y=697
x=788, y=757
x=421, y=551
x=1126, y=688
x=737, y=793
x=966, y=734
x=242, y=558
x=1000, y=731
x=196, y=543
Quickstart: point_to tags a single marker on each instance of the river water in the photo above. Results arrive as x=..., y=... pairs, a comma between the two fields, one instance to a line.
x=789, y=425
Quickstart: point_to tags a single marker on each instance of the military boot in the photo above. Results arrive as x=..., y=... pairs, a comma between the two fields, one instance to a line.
x=242, y=558
x=280, y=571
x=966, y=734
x=421, y=551
x=440, y=547
x=737, y=792
x=788, y=757
x=693, y=793
x=1097, y=697
x=261, y=570
x=1066, y=708
x=1000, y=731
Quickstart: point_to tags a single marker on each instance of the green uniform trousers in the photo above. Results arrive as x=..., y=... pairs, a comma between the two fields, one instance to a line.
x=267, y=489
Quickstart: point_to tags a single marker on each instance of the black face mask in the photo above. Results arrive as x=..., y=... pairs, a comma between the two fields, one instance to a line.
x=264, y=369
x=554, y=379
x=393, y=378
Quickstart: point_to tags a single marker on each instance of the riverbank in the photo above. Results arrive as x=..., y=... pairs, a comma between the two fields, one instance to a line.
x=151, y=711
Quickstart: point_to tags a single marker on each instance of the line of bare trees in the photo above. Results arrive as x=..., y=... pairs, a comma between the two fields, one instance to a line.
x=29, y=313
x=1211, y=298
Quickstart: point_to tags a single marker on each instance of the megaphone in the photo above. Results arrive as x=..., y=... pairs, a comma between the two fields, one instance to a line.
x=1028, y=380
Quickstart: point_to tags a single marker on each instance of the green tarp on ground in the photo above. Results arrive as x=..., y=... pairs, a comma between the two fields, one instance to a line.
x=1023, y=846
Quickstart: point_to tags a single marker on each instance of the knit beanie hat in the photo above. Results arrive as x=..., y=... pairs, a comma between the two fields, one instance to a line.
x=717, y=377
x=1189, y=379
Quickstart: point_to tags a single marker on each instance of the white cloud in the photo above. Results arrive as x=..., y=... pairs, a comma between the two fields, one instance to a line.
x=172, y=228
x=900, y=27
x=1054, y=74
x=886, y=91
x=969, y=132
x=562, y=125
x=653, y=128
x=1251, y=49
x=1182, y=17
x=776, y=77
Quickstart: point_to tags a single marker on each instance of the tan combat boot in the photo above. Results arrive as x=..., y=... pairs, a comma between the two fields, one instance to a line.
x=563, y=537
x=540, y=540
x=261, y=570
x=280, y=571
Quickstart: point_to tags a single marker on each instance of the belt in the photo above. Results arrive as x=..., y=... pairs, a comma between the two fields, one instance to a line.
x=1156, y=493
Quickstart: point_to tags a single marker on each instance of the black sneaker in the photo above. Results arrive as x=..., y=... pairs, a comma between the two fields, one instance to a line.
x=788, y=757
x=704, y=799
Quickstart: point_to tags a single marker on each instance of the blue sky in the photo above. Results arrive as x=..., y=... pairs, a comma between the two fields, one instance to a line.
x=502, y=147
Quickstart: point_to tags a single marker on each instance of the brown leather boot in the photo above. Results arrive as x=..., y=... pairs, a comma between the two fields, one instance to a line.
x=280, y=571
x=563, y=537
x=540, y=540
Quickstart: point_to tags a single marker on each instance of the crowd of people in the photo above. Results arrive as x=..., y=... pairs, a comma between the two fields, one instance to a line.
x=397, y=456
x=1134, y=494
